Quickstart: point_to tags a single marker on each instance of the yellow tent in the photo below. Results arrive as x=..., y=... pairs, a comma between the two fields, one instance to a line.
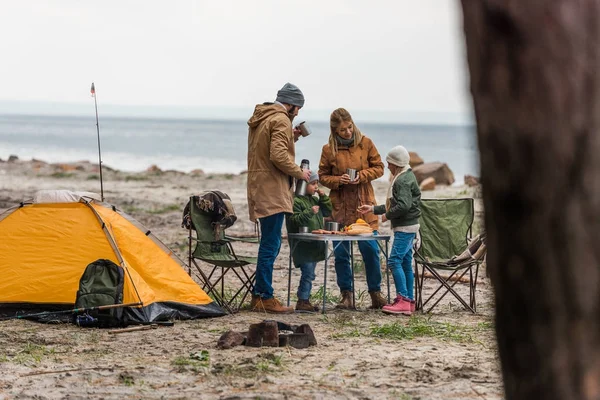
x=45, y=247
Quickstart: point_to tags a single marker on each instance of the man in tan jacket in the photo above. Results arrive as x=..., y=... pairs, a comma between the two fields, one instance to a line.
x=271, y=172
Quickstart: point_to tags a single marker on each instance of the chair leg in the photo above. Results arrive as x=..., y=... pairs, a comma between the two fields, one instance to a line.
x=419, y=276
x=474, y=288
x=449, y=288
x=210, y=289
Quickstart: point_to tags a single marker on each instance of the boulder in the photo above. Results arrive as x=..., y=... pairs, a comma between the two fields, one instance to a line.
x=154, y=169
x=13, y=158
x=436, y=170
x=415, y=159
x=427, y=184
x=197, y=172
x=65, y=167
x=471, y=180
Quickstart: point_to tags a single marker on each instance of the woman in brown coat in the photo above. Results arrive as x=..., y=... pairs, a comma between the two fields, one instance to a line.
x=349, y=148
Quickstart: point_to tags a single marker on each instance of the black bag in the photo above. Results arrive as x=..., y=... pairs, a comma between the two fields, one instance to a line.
x=100, y=285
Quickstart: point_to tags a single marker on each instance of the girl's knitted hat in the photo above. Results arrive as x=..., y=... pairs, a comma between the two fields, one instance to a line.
x=398, y=156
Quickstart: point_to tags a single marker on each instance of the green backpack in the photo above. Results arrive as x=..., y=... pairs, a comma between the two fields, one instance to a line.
x=100, y=285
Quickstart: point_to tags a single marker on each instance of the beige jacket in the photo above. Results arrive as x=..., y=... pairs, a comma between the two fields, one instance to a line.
x=271, y=162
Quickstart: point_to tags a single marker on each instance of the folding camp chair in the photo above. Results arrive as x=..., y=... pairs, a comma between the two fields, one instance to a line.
x=446, y=227
x=218, y=252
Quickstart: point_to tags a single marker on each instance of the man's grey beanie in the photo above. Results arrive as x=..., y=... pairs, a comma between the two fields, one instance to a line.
x=290, y=94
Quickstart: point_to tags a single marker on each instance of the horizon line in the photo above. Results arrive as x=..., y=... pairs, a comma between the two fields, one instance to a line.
x=223, y=113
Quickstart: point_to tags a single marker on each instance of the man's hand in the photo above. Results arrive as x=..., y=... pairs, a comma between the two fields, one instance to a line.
x=365, y=209
x=315, y=209
x=297, y=133
x=306, y=174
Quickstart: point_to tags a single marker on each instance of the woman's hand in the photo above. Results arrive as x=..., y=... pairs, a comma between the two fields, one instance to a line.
x=365, y=209
x=383, y=218
x=345, y=180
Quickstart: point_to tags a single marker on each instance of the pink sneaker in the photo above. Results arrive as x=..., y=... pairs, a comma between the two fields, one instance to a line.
x=412, y=306
x=399, y=306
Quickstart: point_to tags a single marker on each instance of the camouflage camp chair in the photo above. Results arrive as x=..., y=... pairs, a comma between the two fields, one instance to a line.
x=218, y=252
x=446, y=227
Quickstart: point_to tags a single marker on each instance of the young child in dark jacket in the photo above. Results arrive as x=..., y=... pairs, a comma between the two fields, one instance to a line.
x=309, y=211
x=402, y=208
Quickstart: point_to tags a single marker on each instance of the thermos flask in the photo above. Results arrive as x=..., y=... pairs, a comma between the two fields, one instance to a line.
x=301, y=183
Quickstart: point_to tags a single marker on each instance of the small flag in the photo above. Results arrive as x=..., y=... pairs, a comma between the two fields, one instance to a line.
x=93, y=90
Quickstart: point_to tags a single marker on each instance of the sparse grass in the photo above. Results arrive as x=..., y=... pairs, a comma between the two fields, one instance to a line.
x=269, y=363
x=166, y=209
x=400, y=396
x=132, y=209
x=136, y=178
x=331, y=298
x=340, y=321
x=126, y=379
x=93, y=177
x=261, y=365
x=94, y=337
x=359, y=265
x=426, y=327
x=407, y=329
x=32, y=354
x=195, y=362
x=62, y=175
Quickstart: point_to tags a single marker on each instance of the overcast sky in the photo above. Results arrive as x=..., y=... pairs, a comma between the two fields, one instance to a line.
x=400, y=57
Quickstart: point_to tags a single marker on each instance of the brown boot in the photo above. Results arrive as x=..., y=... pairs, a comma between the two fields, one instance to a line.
x=305, y=305
x=271, y=305
x=347, y=302
x=377, y=300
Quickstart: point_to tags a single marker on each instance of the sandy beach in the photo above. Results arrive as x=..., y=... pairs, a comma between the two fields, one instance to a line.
x=450, y=354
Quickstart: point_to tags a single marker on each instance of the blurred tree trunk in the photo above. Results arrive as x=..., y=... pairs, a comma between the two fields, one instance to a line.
x=535, y=80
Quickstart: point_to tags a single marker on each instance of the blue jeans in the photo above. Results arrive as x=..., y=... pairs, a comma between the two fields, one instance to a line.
x=400, y=263
x=370, y=253
x=268, y=250
x=306, y=279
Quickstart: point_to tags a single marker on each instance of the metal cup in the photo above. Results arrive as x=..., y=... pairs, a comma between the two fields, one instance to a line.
x=303, y=229
x=304, y=129
x=332, y=226
x=351, y=173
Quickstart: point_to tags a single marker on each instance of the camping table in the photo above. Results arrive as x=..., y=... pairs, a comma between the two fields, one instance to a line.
x=295, y=238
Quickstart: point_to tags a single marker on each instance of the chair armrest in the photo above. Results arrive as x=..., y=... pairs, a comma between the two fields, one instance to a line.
x=241, y=239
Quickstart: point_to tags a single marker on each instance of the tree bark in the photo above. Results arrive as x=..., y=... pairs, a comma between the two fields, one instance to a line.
x=535, y=79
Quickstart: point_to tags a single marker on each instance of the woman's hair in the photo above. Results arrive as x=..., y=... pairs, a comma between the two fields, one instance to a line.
x=337, y=117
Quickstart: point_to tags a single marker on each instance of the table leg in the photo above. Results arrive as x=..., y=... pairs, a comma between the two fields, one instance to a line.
x=387, y=269
x=325, y=275
x=352, y=268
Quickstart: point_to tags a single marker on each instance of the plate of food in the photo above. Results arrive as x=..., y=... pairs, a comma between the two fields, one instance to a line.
x=360, y=227
x=324, y=232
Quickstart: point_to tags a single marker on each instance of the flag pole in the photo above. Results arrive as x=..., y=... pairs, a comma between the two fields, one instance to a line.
x=93, y=90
